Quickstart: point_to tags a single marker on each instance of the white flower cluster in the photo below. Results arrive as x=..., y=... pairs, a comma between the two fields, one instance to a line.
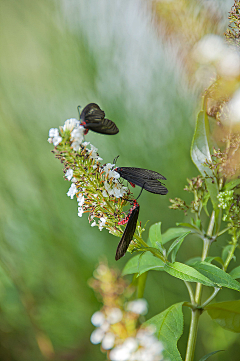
x=114, y=188
x=90, y=178
x=144, y=346
x=54, y=136
x=215, y=57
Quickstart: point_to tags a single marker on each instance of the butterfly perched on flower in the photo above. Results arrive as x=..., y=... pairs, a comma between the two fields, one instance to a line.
x=92, y=117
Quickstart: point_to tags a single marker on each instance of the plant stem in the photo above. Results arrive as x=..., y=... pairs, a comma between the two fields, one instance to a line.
x=192, y=334
x=231, y=253
x=190, y=291
x=215, y=292
x=141, y=284
x=198, y=294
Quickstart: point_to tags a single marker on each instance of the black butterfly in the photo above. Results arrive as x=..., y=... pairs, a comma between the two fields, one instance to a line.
x=128, y=233
x=147, y=179
x=93, y=118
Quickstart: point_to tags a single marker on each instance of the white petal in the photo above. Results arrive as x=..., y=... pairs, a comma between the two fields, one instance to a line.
x=70, y=124
x=114, y=316
x=131, y=344
x=119, y=353
x=53, y=132
x=139, y=306
x=97, y=336
x=98, y=319
x=69, y=174
x=56, y=140
x=72, y=191
x=108, y=341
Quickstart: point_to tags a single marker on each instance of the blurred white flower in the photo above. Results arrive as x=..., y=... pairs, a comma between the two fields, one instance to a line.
x=209, y=49
x=70, y=124
x=69, y=174
x=229, y=64
x=72, y=191
x=131, y=344
x=98, y=319
x=56, y=140
x=234, y=108
x=119, y=353
x=94, y=224
x=53, y=132
x=114, y=316
x=139, y=306
x=77, y=136
x=108, y=341
x=97, y=336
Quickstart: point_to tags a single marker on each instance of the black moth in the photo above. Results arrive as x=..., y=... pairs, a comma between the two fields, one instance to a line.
x=93, y=118
x=128, y=233
x=147, y=179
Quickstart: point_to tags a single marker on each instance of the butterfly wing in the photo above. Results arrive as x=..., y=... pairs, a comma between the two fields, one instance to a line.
x=127, y=234
x=138, y=173
x=92, y=113
x=105, y=126
x=150, y=185
x=93, y=118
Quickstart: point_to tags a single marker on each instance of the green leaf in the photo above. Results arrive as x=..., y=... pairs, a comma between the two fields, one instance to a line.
x=187, y=273
x=142, y=263
x=205, y=202
x=226, y=314
x=174, y=248
x=204, y=358
x=172, y=233
x=191, y=226
x=169, y=328
x=235, y=273
x=200, y=153
x=155, y=235
x=225, y=252
x=191, y=261
x=232, y=184
x=216, y=275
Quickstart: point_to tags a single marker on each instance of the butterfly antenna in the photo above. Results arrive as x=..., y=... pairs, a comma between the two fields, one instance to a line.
x=115, y=160
x=78, y=108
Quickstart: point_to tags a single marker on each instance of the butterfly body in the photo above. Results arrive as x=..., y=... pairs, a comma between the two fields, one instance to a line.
x=131, y=220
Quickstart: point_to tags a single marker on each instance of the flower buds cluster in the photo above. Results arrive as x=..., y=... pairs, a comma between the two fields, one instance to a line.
x=230, y=203
x=117, y=323
x=96, y=187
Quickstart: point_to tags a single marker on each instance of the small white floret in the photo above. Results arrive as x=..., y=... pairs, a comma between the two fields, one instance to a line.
x=72, y=191
x=114, y=316
x=98, y=319
x=97, y=336
x=69, y=174
x=108, y=341
x=139, y=306
x=53, y=132
x=56, y=140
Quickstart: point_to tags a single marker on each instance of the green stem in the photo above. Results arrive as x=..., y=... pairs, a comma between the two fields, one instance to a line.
x=192, y=334
x=215, y=292
x=231, y=253
x=190, y=291
x=141, y=284
x=196, y=312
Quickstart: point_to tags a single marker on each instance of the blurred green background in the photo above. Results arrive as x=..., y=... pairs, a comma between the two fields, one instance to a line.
x=55, y=55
